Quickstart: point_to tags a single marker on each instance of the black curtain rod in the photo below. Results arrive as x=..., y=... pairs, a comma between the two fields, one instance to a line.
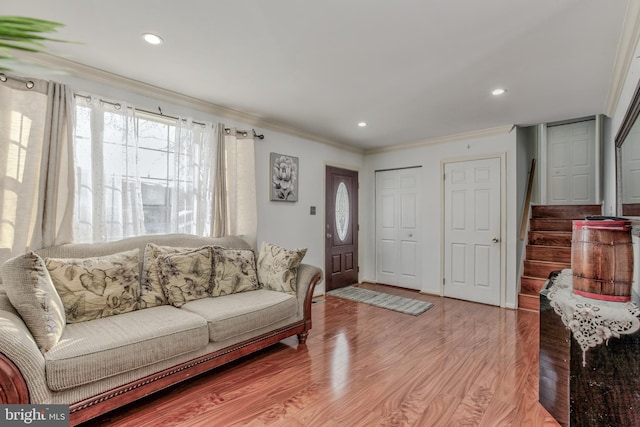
x=244, y=133
x=117, y=106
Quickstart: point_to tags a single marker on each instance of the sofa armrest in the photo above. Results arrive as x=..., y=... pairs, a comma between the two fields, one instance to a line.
x=308, y=277
x=20, y=358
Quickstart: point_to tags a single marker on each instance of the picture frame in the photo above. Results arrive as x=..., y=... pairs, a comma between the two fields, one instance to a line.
x=284, y=170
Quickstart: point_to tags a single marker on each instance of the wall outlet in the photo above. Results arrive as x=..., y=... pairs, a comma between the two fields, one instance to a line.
x=312, y=210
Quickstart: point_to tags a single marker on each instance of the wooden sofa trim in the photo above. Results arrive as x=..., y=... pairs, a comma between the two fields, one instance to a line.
x=13, y=388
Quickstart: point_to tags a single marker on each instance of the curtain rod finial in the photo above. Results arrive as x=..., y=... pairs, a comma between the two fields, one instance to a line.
x=255, y=135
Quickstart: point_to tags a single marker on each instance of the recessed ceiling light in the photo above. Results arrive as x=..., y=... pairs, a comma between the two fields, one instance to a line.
x=362, y=124
x=152, y=38
x=498, y=91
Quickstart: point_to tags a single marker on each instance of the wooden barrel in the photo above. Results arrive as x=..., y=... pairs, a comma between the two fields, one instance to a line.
x=602, y=259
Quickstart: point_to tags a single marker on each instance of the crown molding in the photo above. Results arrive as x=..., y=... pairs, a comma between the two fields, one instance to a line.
x=500, y=130
x=97, y=75
x=627, y=42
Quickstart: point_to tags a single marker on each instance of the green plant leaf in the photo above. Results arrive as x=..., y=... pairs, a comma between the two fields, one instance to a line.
x=5, y=45
x=24, y=34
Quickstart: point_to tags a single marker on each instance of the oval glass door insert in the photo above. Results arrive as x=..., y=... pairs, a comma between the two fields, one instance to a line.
x=342, y=211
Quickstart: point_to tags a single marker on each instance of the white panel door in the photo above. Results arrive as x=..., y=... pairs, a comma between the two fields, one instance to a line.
x=571, y=171
x=397, y=228
x=631, y=166
x=387, y=227
x=472, y=230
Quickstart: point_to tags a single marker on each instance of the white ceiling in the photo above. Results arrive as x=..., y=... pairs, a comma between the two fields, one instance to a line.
x=413, y=70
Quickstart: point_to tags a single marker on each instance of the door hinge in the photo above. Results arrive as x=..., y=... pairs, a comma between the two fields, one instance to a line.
x=444, y=281
x=444, y=176
x=358, y=269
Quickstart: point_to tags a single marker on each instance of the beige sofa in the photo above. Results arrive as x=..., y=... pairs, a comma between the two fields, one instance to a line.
x=102, y=364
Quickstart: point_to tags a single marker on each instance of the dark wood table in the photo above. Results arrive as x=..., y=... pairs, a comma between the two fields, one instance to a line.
x=605, y=392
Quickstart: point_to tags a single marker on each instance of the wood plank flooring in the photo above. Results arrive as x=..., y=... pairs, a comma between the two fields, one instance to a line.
x=458, y=364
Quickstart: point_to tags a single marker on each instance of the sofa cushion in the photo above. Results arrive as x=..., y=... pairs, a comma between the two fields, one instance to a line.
x=92, y=288
x=234, y=271
x=236, y=314
x=151, y=292
x=101, y=348
x=30, y=290
x=186, y=276
x=278, y=267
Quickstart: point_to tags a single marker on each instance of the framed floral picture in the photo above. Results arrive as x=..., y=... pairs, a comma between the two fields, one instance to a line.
x=284, y=178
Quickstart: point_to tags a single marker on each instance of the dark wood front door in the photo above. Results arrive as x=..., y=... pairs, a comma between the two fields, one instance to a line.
x=341, y=240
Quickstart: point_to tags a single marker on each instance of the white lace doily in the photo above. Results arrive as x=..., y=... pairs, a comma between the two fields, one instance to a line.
x=591, y=321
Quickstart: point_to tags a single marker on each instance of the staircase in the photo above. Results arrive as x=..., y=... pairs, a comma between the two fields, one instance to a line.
x=548, y=247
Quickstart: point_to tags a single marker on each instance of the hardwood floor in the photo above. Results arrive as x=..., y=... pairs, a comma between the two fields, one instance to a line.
x=458, y=364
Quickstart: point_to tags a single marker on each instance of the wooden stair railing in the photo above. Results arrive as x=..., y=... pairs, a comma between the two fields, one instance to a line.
x=527, y=201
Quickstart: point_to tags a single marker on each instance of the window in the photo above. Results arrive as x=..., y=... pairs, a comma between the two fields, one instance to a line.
x=139, y=173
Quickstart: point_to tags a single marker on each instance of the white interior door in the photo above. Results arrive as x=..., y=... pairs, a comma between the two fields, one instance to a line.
x=571, y=170
x=398, y=228
x=631, y=166
x=472, y=224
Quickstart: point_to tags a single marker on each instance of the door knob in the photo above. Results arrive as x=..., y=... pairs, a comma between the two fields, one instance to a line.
x=328, y=236
x=495, y=240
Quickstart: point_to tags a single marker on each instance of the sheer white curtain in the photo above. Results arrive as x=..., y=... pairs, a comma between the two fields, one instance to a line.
x=108, y=192
x=35, y=174
x=194, y=163
x=140, y=173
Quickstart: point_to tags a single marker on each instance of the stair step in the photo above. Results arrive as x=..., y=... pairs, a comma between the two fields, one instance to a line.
x=550, y=224
x=549, y=253
x=531, y=285
x=565, y=211
x=529, y=302
x=631, y=209
x=541, y=269
x=550, y=238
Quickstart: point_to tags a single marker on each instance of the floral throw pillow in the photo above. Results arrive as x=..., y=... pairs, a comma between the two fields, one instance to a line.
x=186, y=276
x=234, y=271
x=33, y=295
x=278, y=267
x=91, y=288
x=151, y=291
